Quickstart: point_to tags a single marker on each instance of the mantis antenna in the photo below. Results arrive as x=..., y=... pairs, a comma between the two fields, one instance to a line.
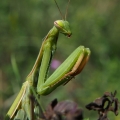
x=67, y=9
x=59, y=9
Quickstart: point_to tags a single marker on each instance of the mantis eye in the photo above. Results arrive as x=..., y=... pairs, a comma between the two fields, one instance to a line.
x=59, y=24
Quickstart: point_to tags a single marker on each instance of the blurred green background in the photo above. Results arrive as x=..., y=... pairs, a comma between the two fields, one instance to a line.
x=94, y=23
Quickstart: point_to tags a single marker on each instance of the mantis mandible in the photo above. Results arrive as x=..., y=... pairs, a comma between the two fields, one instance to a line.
x=37, y=78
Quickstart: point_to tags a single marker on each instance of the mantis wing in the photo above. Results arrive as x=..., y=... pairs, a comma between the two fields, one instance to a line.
x=17, y=101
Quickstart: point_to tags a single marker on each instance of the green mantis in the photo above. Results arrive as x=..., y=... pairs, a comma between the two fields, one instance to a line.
x=37, y=81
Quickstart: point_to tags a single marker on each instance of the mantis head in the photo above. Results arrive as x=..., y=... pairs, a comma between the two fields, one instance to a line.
x=63, y=26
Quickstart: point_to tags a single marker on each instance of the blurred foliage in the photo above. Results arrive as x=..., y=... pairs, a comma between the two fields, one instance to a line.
x=94, y=23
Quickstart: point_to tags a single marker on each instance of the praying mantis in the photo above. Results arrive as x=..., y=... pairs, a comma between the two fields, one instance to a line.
x=37, y=83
